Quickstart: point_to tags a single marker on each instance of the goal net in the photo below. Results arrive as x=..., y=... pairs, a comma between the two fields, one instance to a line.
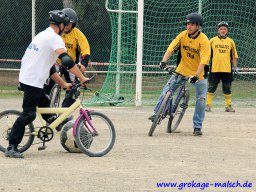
x=163, y=20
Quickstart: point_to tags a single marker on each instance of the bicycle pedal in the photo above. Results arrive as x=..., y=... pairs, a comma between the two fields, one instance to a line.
x=42, y=148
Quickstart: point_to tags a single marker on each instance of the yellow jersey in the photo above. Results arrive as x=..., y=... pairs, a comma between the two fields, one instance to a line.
x=223, y=50
x=193, y=51
x=76, y=43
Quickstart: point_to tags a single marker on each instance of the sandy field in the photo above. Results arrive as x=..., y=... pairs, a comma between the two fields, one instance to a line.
x=225, y=152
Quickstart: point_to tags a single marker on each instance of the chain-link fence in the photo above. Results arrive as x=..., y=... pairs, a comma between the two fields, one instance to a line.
x=21, y=18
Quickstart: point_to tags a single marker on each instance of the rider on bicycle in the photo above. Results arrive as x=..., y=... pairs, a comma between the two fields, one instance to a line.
x=76, y=44
x=39, y=57
x=194, y=54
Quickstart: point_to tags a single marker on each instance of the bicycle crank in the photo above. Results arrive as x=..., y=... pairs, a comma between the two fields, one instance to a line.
x=45, y=134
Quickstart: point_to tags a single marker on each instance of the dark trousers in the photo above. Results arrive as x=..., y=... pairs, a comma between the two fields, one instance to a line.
x=67, y=102
x=32, y=98
x=225, y=78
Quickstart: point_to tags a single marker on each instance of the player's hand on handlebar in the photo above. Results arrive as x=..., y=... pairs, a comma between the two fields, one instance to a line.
x=162, y=65
x=193, y=79
x=67, y=86
x=84, y=81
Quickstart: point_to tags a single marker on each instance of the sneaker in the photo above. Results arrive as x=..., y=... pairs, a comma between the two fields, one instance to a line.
x=208, y=108
x=197, y=132
x=152, y=117
x=229, y=109
x=13, y=152
x=59, y=127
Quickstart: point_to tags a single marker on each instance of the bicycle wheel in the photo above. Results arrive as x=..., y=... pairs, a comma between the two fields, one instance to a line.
x=177, y=116
x=7, y=119
x=95, y=145
x=159, y=113
x=55, y=96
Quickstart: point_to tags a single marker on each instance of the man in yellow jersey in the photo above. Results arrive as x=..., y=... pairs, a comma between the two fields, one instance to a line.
x=224, y=58
x=77, y=45
x=194, y=55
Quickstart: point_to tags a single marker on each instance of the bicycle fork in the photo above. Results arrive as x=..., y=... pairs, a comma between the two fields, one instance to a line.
x=87, y=123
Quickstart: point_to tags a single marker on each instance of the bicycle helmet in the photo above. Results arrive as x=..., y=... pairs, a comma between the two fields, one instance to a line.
x=71, y=14
x=194, y=18
x=58, y=17
x=222, y=24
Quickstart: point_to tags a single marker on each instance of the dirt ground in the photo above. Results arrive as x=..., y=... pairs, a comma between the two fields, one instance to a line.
x=226, y=151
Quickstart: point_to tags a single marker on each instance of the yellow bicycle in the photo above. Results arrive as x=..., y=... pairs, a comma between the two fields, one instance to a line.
x=93, y=131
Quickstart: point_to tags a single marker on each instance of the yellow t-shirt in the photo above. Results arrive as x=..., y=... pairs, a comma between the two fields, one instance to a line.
x=76, y=42
x=193, y=51
x=223, y=50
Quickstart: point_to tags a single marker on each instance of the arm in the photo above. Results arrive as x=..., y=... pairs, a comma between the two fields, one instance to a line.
x=205, y=54
x=67, y=61
x=174, y=45
x=200, y=69
x=56, y=77
x=234, y=60
x=234, y=54
x=84, y=49
x=167, y=56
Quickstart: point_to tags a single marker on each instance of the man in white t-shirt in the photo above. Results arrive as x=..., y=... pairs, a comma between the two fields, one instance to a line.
x=39, y=57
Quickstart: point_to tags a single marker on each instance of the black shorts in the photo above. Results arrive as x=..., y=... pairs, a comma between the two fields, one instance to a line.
x=224, y=77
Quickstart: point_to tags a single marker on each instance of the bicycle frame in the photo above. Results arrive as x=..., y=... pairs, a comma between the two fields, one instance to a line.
x=180, y=93
x=171, y=106
x=65, y=112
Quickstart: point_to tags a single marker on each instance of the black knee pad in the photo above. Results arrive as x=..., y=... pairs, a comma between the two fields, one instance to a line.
x=212, y=87
x=226, y=88
x=28, y=117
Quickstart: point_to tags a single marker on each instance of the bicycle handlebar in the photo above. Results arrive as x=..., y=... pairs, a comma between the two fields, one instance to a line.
x=74, y=91
x=171, y=71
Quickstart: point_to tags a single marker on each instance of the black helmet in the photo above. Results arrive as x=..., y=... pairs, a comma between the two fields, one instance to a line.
x=222, y=24
x=71, y=14
x=58, y=17
x=194, y=18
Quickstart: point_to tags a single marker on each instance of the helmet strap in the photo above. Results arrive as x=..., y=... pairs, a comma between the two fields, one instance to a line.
x=60, y=31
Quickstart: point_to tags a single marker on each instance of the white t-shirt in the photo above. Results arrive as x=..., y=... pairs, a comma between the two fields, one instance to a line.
x=39, y=58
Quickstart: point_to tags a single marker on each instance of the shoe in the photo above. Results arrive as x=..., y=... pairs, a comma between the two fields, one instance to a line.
x=152, y=117
x=197, y=132
x=13, y=152
x=229, y=109
x=59, y=127
x=208, y=108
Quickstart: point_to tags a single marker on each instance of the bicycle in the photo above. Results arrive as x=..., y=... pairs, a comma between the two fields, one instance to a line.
x=171, y=108
x=98, y=140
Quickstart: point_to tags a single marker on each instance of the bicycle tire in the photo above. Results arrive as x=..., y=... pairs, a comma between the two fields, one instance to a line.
x=7, y=119
x=158, y=114
x=92, y=145
x=172, y=125
x=55, y=96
